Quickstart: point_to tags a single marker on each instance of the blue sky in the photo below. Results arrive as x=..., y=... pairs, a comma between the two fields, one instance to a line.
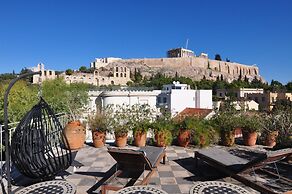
x=68, y=34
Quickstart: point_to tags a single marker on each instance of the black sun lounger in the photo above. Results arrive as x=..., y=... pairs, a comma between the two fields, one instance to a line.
x=238, y=168
x=132, y=163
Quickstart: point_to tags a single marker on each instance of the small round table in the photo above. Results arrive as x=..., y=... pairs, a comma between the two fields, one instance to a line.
x=212, y=187
x=145, y=189
x=49, y=187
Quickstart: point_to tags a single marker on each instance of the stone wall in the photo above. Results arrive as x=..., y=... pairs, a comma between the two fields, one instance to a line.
x=194, y=67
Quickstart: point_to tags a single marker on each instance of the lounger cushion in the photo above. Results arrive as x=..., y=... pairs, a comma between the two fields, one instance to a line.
x=224, y=158
x=146, y=156
x=153, y=154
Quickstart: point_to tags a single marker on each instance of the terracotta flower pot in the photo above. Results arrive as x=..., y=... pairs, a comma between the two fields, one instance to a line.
x=249, y=138
x=75, y=134
x=160, y=139
x=121, y=141
x=98, y=139
x=184, y=137
x=271, y=139
x=227, y=138
x=140, y=139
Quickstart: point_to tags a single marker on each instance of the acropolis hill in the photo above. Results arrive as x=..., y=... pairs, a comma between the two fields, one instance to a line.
x=183, y=62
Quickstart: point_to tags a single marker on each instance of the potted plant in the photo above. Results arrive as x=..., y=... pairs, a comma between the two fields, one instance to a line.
x=225, y=122
x=284, y=126
x=270, y=130
x=98, y=126
x=183, y=130
x=140, y=118
x=140, y=133
x=250, y=127
x=162, y=131
x=203, y=133
x=75, y=131
x=120, y=122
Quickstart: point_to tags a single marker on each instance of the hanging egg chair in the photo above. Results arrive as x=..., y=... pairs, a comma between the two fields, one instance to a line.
x=38, y=144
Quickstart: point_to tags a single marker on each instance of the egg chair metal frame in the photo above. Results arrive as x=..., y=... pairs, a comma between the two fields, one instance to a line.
x=38, y=146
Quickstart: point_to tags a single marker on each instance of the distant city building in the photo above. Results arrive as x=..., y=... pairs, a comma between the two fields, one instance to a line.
x=267, y=100
x=180, y=52
x=45, y=75
x=238, y=93
x=102, y=62
x=102, y=99
x=176, y=97
x=183, y=62
x=239, y=105
x=113, y=76
x=117, y=75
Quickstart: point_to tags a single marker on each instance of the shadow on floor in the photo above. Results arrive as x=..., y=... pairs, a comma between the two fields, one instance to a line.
x=203, y=172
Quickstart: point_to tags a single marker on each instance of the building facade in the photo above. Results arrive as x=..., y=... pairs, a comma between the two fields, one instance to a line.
x=45, y=74
x=180, y=52
x=267, y=100
x=238, y=93
x=176, y=97
x=113, y=76
x=102, y=62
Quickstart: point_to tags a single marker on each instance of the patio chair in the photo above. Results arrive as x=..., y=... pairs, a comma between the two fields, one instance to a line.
x=131, y=164
x=238, y=168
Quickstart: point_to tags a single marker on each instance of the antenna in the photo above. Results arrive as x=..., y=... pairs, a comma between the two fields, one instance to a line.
x=187, y=43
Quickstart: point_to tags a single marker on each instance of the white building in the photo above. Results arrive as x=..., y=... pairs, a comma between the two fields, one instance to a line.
x=45, y=75
x=238, y=93
x=176, y=97
x=101, y=99
x=102, y=62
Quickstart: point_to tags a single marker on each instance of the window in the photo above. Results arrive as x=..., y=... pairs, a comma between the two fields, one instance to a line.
x=117, y=68
x=125, y=75
x=158, y=100
x=112, y=82
x=220, y=94
x=164, y=100
x=117, y=74
x=121, y=75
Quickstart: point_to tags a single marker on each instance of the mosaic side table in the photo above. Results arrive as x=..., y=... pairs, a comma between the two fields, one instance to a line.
x=49, y=187
x=141, y=190
x=212, y=187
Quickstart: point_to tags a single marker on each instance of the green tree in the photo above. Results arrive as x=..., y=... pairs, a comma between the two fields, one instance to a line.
x=21, y=99
x=289, y=86
x=65, y=98
x=218, y=57
x=276, y=86
x=69, y=72
x=83, y=69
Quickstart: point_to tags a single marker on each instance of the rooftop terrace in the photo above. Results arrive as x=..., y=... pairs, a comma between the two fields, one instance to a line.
x=178, y=175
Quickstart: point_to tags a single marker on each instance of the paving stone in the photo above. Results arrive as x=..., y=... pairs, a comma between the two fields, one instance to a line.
x=167, y=181
x=185, y=188
x=171, y=188
x=165, y=174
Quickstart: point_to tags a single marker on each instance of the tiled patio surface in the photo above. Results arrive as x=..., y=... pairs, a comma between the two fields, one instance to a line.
x=177, y=176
